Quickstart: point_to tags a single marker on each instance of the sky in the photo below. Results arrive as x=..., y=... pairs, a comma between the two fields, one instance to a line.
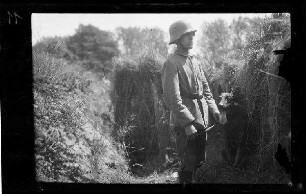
x=44, y=25
x=60, y=24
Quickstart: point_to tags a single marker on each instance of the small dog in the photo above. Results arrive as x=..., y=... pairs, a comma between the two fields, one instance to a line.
x=232, y=105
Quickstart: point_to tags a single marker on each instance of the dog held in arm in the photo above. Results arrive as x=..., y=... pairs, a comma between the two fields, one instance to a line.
x=233, y=109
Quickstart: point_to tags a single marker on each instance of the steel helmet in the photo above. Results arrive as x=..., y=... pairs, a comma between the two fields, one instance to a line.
x=178, y=28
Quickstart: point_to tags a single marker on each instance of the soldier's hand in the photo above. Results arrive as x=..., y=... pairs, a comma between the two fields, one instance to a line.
x=191, y=132
x=217, y=116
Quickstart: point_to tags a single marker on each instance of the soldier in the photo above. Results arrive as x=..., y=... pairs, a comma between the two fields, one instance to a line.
x=187, y=95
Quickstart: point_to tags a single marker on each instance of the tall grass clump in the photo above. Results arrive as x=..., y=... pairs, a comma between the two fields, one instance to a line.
x=268, y=95
x=268, y=102
x=73, y=141
x=268, y=98
x=139, y=113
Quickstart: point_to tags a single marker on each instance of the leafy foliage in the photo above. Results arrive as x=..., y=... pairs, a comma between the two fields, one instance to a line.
x=135, y=40
x=215, y=39
x=268, y=95
x=73, y=142
x=95, y=48
x=250, y=64
x=56, y=46
x=239, y=29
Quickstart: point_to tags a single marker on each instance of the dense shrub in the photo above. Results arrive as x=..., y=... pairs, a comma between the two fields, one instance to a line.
x=141, y=118
x=73, y=142
x=57, y=46
x=268, y=101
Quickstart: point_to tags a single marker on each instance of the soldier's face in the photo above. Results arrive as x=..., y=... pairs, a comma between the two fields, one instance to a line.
x=186, y=41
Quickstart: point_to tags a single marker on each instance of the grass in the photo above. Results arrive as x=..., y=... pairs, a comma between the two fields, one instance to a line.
x=166, y=177
x=222, y=173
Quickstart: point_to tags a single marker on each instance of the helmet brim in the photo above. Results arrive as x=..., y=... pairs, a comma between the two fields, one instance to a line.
x=173, y=42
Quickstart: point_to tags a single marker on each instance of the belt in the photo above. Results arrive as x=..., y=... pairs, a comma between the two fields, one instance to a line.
x=198, y=97
x=192, y=96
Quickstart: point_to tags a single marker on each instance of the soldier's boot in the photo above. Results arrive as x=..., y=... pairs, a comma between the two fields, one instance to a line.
x=185, y=177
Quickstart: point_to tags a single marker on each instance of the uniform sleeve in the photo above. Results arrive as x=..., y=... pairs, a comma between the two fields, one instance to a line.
x=208, y=95
x=172, y=97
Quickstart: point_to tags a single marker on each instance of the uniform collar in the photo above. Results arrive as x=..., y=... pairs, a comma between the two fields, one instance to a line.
x=182, y=52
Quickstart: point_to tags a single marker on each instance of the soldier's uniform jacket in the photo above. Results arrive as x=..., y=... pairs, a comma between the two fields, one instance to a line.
x=183, y=75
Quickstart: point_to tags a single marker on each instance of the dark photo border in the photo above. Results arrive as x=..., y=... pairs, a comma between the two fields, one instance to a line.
x=17, y=128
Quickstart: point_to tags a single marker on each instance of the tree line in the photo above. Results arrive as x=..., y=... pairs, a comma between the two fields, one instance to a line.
x=95, y=48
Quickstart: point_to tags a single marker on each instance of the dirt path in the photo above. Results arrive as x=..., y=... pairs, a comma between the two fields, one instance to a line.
x=168, y=177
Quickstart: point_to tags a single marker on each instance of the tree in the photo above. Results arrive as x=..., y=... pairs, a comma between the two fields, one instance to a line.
x=95, y=48
x=264, y=32
x=136, y=39
x=215, y=38
x=239, y=29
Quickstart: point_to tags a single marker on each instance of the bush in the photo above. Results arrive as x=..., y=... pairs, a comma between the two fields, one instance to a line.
x=268, y=101
x=268, y=96
x=73, y=142
x=56, y=46
x=141, y=118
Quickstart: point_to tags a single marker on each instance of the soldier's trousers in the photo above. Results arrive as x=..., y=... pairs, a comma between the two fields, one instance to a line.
x=191, y=153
